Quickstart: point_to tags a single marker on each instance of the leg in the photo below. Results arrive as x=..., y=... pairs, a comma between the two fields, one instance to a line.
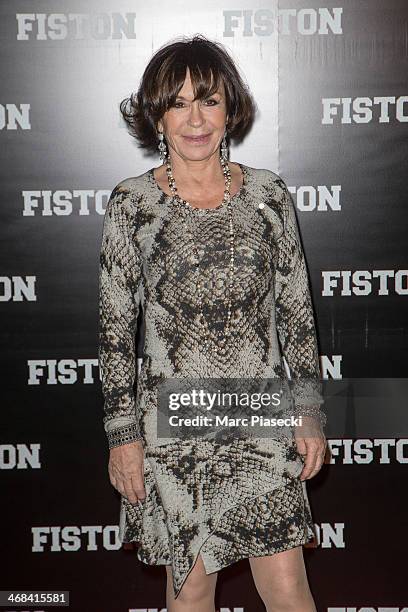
x=197, y=592
x=281, y=581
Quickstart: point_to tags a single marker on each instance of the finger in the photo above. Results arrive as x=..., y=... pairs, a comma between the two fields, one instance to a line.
x=130, y=494
x=138, y=486
x=318, y=458
x=301, y=446
x=307, y=468
x=311, y=460
x=112, y=479
x=302, y=450
x=119, y=487
x=319, y=463
x=116, y=484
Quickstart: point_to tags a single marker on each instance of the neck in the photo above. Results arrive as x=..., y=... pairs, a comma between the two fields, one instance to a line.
x=197, y=173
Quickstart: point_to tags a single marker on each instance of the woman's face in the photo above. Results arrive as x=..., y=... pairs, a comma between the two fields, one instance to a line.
x=194, y=130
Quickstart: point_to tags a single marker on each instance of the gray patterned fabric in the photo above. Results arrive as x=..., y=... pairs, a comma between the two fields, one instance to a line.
x=223, y=500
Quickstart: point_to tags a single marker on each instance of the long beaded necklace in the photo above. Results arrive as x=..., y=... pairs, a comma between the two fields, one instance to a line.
x=226, y=200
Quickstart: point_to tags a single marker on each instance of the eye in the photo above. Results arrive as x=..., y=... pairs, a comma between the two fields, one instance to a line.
x=215, y=102
x=178, y=104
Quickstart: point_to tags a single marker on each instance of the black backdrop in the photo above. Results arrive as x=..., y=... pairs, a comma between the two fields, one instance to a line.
x=331, y=87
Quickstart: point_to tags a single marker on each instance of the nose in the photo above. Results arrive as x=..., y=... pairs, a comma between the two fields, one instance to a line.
x=195, y=117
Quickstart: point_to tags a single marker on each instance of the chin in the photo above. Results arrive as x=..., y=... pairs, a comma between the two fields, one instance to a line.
x=197, y=153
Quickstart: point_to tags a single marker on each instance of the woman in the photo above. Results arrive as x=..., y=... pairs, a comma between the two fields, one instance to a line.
x=210, y=250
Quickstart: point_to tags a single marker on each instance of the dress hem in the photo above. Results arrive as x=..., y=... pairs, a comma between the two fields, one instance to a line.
x=288, y=546
x=308, y=536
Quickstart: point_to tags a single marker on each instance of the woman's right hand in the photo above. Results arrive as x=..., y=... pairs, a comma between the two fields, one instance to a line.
x=126, y=470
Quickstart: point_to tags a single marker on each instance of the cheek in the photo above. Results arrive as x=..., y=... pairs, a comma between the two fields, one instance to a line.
x=174, y=126
x=173, y=119
x=218, y=118
x=221, y=115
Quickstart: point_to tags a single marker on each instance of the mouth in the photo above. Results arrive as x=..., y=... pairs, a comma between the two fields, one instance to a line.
x=198, y=139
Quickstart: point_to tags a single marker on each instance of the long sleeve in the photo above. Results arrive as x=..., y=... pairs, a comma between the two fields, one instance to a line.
x=294, y=316
x=120, y=277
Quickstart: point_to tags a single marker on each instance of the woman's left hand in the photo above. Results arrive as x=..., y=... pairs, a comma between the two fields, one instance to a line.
x=311, y=444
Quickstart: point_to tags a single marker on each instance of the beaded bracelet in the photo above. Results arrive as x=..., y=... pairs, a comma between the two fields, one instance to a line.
x=123, y=435
x=313, y=411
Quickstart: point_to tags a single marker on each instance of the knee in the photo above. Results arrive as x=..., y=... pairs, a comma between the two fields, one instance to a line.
x=284, y=595
x=196, y=588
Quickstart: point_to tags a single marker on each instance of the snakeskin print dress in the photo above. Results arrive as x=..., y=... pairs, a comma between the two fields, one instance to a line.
x=223, y=501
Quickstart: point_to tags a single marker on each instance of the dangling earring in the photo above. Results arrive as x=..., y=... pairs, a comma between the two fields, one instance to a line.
x=224, y=147
x=162, y=147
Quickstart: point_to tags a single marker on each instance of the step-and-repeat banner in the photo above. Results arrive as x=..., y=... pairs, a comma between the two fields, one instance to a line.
x=330, y=82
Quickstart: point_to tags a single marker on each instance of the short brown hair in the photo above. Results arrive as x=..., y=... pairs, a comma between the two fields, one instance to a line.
x=208, y=63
